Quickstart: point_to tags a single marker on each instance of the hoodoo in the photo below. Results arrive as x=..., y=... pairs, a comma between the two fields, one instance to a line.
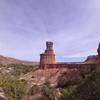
x=48, y=57
x=95, y=58
x=98, y=50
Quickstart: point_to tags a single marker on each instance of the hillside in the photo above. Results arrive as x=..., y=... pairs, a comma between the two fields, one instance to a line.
x=8, y=60
x=39, y=76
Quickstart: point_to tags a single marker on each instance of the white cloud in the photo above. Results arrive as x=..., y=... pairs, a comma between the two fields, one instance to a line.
x=26, y=25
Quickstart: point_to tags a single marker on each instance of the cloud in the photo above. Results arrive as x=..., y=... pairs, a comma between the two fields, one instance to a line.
x=72, y=25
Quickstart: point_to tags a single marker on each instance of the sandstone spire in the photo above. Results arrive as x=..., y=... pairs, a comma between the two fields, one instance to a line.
x=98, y=50
x=48, y=57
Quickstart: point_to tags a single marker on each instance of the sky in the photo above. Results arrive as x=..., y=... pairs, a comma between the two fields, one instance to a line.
x=73, y=26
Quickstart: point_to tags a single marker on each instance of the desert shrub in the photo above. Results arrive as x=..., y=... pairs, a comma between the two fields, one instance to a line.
x=66, y=80
x=14, y=89
x=65, y=94
x=48, y=91
x=34, y=89
x=18, y=69
x=88, y=89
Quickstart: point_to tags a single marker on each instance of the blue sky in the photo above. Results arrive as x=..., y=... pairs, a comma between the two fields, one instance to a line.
x=73, y=26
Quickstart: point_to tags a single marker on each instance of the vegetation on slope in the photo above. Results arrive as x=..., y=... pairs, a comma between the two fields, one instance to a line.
x=13, y=88
x=88, y=89
x=84, y=85
x=18, y=69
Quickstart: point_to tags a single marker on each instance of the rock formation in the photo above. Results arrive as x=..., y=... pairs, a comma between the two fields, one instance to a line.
x=51, y=70
x=95, y=58
x=48, y=57
x=47, y=60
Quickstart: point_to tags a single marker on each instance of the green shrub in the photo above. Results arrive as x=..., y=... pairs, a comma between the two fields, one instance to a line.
x=48, y=91
x=18, y=69
x=88, y=89
x=34, y=89
x=14, y=89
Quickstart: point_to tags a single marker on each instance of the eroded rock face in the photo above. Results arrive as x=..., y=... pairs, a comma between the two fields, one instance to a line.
x=50, y=70
x=98, y=50
x=40, y=76
x=94, y=58
x=48, y=57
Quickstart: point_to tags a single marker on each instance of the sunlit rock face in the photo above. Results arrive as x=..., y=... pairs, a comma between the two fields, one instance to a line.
x=48, y=57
